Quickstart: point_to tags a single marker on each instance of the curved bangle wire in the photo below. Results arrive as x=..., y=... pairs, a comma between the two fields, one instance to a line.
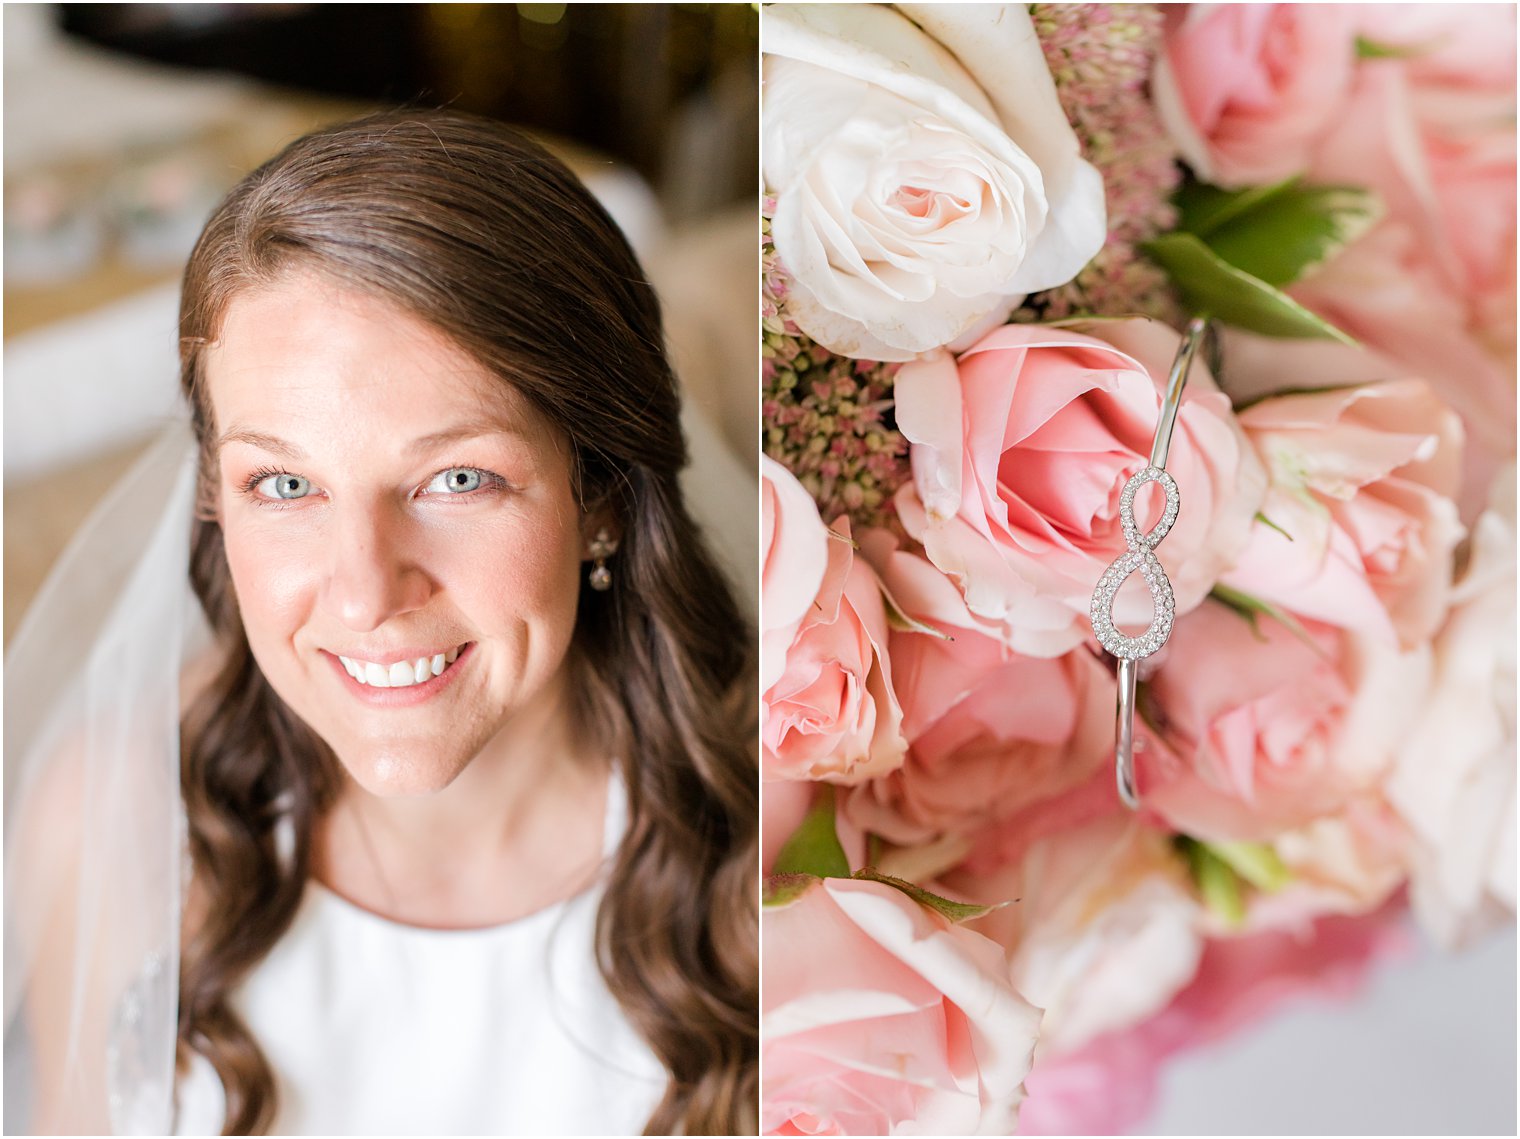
x=1140, y=557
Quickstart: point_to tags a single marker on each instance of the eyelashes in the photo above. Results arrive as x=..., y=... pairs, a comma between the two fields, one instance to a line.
x=282, y=489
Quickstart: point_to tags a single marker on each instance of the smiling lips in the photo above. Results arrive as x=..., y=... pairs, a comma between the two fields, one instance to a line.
x=401, y=674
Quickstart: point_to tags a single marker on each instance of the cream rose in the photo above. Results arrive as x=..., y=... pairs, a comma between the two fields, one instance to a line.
x=1106, y=930
x=924, y=173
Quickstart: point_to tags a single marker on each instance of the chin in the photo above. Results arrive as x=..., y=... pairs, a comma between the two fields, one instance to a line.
x=400, y=774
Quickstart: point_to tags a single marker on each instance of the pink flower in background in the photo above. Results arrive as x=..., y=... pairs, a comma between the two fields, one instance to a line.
x=1246, y=90
x=1362, y=522
x=1020, y=450
x=1347, y=863
x=1290, y=732
x=832, y=714
x=1109, y=1086
x=880, y=1017
x=1454, y=779
x=1431, y=132
x=989, y=731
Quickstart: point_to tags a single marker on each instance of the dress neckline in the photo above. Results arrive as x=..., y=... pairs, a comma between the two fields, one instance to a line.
x=321, y=898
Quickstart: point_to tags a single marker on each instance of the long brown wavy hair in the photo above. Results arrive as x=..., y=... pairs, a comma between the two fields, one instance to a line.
x=482, y=234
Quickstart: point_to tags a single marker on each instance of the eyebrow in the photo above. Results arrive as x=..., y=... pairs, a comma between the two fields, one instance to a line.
x=421, y=445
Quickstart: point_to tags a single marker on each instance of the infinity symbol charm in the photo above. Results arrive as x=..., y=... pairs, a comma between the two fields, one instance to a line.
x=1139, y=556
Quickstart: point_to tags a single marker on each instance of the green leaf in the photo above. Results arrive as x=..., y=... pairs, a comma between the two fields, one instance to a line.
x=1256, y=862
x=814, y=847
x=955, y=911
x=1211, y=287
x=1276, y=233
x=1203, y=209
x=784, y=889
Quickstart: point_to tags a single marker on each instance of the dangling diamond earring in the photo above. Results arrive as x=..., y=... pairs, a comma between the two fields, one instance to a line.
x=1141, y=556
x=602, y=547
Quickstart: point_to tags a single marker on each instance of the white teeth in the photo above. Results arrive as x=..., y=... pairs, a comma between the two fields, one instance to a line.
x=402, y=674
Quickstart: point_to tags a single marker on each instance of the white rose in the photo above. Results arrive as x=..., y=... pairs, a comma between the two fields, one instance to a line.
x=925, y=175
x=1454, y=780
x=1106, y=930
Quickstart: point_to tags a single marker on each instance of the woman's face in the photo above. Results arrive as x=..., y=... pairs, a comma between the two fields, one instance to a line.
x=388, y=504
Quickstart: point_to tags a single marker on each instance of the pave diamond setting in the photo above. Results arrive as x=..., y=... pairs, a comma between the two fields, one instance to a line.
x=1140, y=556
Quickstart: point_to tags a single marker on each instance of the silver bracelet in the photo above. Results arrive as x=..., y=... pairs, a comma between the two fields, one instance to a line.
x=1141, y=556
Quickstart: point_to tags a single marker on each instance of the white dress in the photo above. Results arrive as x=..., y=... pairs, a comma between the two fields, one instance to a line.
x=377, y=1028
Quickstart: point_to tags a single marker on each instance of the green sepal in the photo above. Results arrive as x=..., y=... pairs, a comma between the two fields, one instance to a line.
x=899, y=621
x=1276, y=233
x=814, y=847
x=784, y=889
x=1212, y=287
x=1371, y=49
x=1256, y=862
x=955, y=911
x=1265, y=521
x=1218, y=884
x=1252, y=608
x=1283, y=393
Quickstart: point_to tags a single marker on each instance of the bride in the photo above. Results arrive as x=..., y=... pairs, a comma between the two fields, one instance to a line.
x=463, y=836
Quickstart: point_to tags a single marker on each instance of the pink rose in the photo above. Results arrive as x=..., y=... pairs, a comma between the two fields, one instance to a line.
x=989, y=731
x=880, y=1017
x=1020, y=450
x=1362, y=525
x=832, y=714
x=1246, y=90
x=1263, y=732
x=1454, y=779
x=796, y=553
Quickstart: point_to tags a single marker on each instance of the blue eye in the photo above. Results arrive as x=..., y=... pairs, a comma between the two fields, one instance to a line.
x=284, y=486
x=456, y=480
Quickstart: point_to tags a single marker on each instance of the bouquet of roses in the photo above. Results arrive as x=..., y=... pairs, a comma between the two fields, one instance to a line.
x=985, y=226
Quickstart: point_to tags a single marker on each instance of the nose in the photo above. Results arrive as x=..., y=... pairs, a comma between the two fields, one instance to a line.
x=373, y=574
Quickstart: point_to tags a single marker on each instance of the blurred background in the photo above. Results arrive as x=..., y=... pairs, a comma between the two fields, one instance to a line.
x=125, y=123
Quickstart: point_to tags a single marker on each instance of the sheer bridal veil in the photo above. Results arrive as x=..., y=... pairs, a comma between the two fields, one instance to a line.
x=94, y=826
